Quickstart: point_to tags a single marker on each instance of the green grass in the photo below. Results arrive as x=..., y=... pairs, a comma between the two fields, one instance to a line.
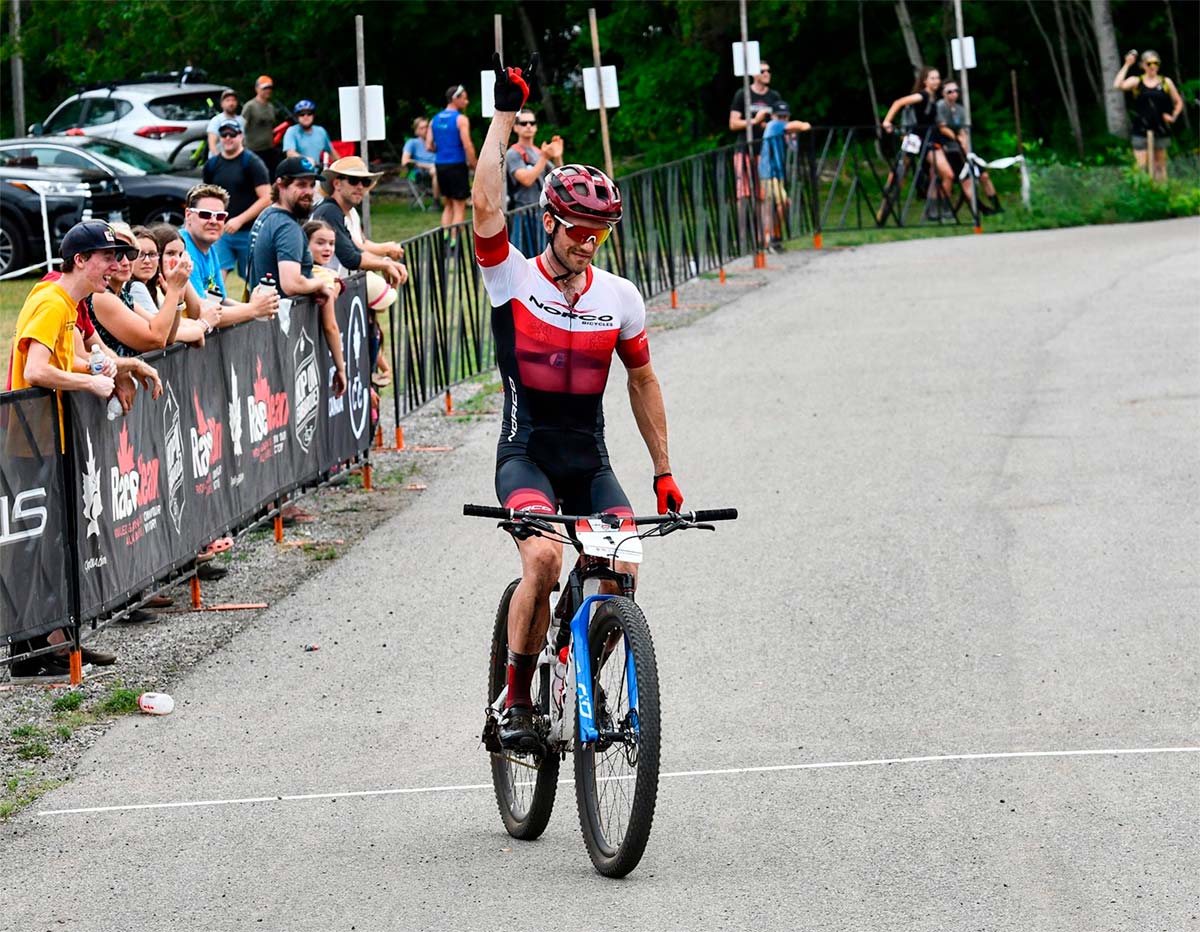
x=67, y=702
x=119, y=701
x=23, y=790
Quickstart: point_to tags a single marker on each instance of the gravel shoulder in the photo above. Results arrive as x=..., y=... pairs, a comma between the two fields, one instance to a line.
x=45, y=732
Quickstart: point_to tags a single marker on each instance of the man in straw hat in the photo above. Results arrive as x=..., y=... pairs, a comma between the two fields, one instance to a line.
x=349, y=180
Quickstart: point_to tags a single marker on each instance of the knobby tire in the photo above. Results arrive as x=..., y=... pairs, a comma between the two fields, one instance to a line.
x=616, y=797
x=525, y=797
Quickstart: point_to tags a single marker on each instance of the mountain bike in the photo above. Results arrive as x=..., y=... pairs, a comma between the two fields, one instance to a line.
x=595, y=687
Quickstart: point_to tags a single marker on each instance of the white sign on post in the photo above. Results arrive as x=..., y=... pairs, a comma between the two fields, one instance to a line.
x=740, y=66
x=956, y=52
x=348, y=104
x=487, y=95
x=591, y=90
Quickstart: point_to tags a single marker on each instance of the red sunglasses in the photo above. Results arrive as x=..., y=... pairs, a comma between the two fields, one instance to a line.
x=584, y=235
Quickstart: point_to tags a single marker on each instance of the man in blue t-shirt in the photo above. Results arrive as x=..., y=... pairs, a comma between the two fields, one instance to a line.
x=304, y=137
x=772, y=171
x=206, y=209
x=454, y=156
x=279, y=248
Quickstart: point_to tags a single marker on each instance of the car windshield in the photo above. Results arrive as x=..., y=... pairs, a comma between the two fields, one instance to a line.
x=123, y=159
x=196, y=105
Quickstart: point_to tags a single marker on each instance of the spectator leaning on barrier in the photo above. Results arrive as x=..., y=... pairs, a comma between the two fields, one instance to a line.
x=350, y=181
x=921, y=104
x=245, y=178
x=772, y=172
x=762, y=101
x=260, y=118
x=203, y=223
x=229, y=109
x=454, y=157
x=304, y=137
x=278, y=247
x=951, y=121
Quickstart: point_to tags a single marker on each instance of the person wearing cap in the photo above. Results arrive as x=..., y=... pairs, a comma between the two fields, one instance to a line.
x=279, y=248
x=260, y=117
x=454, y=157
x=350, y=181
x=247, y=183
x=772, y=174
x=229, y=108
x=305, y=137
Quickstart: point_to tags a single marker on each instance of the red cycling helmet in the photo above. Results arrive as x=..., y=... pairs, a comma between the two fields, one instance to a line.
x=581, y=192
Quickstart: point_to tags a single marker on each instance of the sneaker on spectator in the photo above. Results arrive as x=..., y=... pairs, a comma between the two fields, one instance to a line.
x=98, y=658
x=211, y=571
x=139, y=616
x=158, y=601
x=44, y=669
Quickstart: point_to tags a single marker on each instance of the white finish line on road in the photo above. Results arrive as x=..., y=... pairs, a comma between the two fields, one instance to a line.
x=729, y=771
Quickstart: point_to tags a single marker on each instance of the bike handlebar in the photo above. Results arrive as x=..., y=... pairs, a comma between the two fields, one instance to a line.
x=509, y=514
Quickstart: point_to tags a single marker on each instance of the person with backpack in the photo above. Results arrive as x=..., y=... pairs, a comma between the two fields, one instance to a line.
x=526, y=167
x=245, y=177
x=1156, y=107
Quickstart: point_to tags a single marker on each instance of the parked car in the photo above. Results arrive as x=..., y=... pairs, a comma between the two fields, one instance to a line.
x=71, y=195
x=163, y=118
x=154, y=193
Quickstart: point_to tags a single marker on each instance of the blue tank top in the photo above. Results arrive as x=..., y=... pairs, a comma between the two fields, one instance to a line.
x=449, y=143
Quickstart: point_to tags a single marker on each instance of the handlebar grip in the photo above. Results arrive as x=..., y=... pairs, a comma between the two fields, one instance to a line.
x=716, y=514
x=485, y=511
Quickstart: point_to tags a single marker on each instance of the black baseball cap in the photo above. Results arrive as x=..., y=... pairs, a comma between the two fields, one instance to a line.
x=296, y=166
x=781, y=108
x=229, y=124
x=90, y=235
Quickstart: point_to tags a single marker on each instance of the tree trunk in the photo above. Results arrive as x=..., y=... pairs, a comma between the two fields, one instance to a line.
x=876, y=113
x=530, y=38
x=1176, y=61
x=1115, y=114
x=1059, y=69
x=1072, y=100
x=910, y=37
x=1079, y=19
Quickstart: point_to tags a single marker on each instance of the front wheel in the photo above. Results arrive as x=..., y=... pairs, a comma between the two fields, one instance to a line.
x=616, y=777
x=525, y=784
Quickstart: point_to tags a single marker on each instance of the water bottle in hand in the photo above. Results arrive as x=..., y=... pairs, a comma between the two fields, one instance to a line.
x=96, y=363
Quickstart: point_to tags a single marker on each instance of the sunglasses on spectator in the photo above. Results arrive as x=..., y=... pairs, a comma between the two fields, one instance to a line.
x=230, y=134
x=305, y=112
x=952, y=90
x=1152, y=61
x=357, y=182
x=205, y=214
x=526, y=123
x=585, y=235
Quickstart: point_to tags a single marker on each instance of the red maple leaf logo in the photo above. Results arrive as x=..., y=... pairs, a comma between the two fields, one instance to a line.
x=201, y=423
x=125, y=451
x=262, y=390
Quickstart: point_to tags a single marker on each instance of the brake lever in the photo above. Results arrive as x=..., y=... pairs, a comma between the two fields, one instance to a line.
x=523, y=530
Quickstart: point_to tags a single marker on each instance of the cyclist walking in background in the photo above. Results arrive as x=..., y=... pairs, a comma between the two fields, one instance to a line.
x=557, y=321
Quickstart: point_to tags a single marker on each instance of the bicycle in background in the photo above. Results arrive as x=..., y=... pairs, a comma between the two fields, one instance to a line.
x=595, y=688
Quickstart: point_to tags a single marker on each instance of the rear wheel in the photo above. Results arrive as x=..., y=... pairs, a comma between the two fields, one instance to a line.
x=616, y=777
x=12, y=245
x=169, y=212
x=525, y=784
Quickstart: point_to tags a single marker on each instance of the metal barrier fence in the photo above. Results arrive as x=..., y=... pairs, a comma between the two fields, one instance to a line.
x=682, y=219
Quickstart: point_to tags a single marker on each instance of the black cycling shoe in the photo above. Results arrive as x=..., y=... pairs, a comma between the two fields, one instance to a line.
x=518, y=729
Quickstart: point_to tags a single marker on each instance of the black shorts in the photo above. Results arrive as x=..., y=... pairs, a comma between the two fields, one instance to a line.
x=453, y=182
x=523, y=483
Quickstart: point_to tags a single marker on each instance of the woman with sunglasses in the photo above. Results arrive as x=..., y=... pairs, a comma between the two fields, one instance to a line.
x=951, y=120
x=1156, y=107
x=921, y=107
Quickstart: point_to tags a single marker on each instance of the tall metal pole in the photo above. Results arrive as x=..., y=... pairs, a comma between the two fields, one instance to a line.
x=499, y=28
x=600, y=86
x=18, y=72
x=966, y=94
x=746, y=76
x=362, y=119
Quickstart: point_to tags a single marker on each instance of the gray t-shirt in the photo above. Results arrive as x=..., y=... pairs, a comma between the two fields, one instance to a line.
x=518, y=157
x=277, y=237
x=951, y=115
x=221, y=118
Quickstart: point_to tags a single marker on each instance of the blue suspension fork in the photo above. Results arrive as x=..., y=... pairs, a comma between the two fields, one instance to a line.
x=584, y=699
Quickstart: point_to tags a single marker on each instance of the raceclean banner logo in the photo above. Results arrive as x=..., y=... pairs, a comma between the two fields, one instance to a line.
x=134, y=486
x=307, y=394
x=267, y=414
x=206, y=450
x=356, y=379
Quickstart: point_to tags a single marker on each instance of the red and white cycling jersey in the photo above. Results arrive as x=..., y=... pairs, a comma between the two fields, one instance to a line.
x=553, y=358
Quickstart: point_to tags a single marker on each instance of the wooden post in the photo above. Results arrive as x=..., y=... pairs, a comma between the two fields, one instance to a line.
x=600, y=86
x=499, y=30
x=1017, y=112
x=366, y=474
x=1150, y=169
x=362, y=120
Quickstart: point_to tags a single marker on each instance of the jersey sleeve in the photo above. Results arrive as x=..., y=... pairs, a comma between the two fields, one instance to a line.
x=505, y=270
x=632, y=345
x=42, y=326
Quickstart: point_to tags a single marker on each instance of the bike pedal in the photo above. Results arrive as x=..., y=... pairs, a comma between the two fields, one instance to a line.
x=491, y=736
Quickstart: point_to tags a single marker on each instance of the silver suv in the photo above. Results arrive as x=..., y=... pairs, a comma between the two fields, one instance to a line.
x=165, y=119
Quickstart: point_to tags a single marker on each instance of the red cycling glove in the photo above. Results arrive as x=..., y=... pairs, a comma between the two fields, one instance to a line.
x=669, y=496
x=512, y=85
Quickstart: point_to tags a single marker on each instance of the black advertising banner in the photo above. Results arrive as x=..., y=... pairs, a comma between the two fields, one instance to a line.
x=34, y=564
x=247, y=417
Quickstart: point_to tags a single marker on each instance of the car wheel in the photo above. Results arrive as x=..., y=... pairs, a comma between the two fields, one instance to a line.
x=165, y=213
x=12, y=246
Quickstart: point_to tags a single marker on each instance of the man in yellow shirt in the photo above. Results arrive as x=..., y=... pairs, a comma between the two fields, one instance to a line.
x=44, y=355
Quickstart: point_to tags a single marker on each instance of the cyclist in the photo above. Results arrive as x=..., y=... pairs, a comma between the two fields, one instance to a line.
x=557, y=321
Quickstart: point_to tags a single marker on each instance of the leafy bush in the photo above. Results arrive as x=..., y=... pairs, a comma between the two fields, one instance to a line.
x=1071, y=195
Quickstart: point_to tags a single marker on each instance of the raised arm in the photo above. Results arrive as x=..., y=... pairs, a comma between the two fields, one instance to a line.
x=489, y=194
x=905, y=101
x=1122, y=83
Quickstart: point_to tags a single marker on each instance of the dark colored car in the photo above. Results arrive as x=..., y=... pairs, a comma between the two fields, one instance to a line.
x=71, y=195
x=153, y=192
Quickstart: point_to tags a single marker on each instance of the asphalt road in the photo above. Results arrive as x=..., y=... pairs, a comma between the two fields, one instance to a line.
x=967, y=472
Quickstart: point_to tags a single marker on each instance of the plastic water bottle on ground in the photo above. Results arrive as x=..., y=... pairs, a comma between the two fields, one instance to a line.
x=156, y=703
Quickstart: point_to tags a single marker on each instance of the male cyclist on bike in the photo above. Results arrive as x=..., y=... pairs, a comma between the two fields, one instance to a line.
x=557, y=321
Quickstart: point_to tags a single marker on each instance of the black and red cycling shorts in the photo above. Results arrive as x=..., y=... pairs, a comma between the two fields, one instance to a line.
x=523, y=483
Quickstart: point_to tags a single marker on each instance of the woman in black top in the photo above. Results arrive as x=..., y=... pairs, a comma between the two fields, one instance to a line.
x=922, y=104
x=1156, y=106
